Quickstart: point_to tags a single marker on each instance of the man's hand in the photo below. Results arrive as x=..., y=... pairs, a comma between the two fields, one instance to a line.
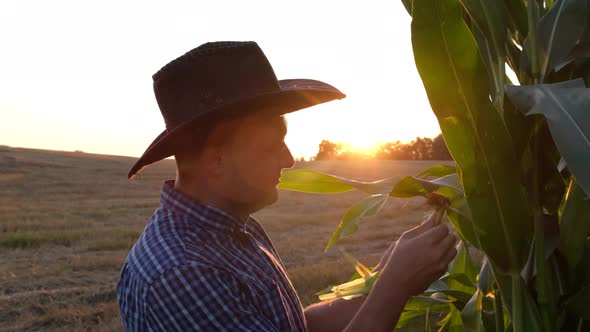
x=408, y=267
x=420, y=256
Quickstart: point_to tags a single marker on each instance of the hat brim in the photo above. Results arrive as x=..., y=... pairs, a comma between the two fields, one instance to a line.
x=293, y=95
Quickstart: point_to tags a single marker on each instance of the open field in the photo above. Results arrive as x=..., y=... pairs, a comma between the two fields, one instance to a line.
x=67, y=221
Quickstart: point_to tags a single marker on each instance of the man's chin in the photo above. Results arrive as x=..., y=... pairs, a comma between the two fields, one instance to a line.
x=261, y=201
x=273, y=197
x=268, y=198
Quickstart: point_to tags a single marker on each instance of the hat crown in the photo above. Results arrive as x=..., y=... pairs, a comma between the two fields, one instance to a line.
x=209, y=77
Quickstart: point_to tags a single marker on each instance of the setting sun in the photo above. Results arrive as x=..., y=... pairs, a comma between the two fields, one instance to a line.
x=95, y=95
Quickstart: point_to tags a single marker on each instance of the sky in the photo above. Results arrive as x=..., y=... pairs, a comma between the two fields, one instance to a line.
x=76, y=75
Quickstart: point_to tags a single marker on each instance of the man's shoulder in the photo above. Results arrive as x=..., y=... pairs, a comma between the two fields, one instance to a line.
x=169, y=241
x=159, y=247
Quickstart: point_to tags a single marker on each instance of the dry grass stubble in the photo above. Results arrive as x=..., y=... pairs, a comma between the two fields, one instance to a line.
x=69, y=219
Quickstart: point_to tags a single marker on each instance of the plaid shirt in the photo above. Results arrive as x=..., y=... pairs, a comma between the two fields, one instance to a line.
x=196, y=267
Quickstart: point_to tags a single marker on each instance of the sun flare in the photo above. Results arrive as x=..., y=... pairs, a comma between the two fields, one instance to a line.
x=361, y=144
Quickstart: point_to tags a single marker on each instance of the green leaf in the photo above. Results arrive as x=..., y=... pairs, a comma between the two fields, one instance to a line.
x=360, y=268
x=451, y=69
x=437, y=171
x=408, y=6
x=490, y=59
x=441, y=286
x=485, y=278
x=460, y=278
x=408, y=316
x=463, y=265
x=437, y=286
x=531, y=316
x=489, y=20
x=488, y=17
x=448, y=187
x=366, y=207
x=452, y=322
x=350, y=289
x=565, y=109
x=578, y=304
x=422, y=302
x=309, y=181
x=517, y=16
x=411, y=186
x=550, y=242
x=427, y=327
x=559, y=31
x=574, y=224
x=472, y=313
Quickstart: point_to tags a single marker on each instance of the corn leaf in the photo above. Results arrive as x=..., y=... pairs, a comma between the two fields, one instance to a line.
x=442, y=286
x=309, y=181
x=463, y=265
x=360, y=268
x=449, y=187
x=452, y=322
x=574, y=225
x=516, y=14
x=419, y=306
x=566, y=110
x=559, y=32
x=472, y=313
x=437, y=171
x=578, y=304
x=491, y=34
x=408, y=5
x=421, y=302
x=485, y=278
x=453, y=74
x=366, y=207
x=350, y=289
x=411, y=186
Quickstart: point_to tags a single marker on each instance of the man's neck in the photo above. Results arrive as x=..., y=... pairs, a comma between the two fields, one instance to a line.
x=200, y=192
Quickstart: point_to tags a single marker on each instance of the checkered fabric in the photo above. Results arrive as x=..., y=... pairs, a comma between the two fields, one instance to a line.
x=197, y=268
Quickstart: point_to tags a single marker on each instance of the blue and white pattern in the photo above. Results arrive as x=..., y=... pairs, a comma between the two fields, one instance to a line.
x=197, y=268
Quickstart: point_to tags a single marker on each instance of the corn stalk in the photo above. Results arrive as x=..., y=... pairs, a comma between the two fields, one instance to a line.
x=519, y=192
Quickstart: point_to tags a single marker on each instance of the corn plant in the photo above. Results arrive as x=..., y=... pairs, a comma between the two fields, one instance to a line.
x=519, y=191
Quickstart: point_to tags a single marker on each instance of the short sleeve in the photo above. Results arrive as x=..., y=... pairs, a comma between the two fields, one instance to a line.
x=200, y=298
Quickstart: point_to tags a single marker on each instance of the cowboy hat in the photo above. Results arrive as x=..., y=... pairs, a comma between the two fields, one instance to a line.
x=218, y=79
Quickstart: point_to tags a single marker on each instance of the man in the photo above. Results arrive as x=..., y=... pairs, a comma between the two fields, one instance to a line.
x=203, y=263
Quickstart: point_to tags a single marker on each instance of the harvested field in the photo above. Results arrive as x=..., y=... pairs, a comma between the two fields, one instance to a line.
x=67, y=221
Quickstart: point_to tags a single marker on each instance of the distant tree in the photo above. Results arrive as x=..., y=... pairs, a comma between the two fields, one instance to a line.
x=385, y=150
x=439, y=149
x=397, y=150
x=328, y=150
x=421, y=148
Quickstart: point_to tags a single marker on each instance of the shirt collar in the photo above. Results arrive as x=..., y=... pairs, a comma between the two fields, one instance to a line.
x=199, y=213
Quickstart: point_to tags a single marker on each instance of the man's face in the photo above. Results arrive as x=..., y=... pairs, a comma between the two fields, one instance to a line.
x=253, y=160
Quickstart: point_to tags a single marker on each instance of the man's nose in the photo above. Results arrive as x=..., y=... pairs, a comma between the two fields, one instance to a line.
x=288, y=160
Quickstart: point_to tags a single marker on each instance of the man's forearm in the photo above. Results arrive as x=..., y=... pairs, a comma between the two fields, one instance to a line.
x=373, y=313
x=332, y=316
x=378, y=312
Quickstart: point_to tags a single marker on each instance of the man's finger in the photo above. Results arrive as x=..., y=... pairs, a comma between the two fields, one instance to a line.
x=450, y=255
x=435, y=234
x=447, y=243
x=423, y=227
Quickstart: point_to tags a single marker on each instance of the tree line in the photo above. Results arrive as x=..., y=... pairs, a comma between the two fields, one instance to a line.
x=422, y=148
